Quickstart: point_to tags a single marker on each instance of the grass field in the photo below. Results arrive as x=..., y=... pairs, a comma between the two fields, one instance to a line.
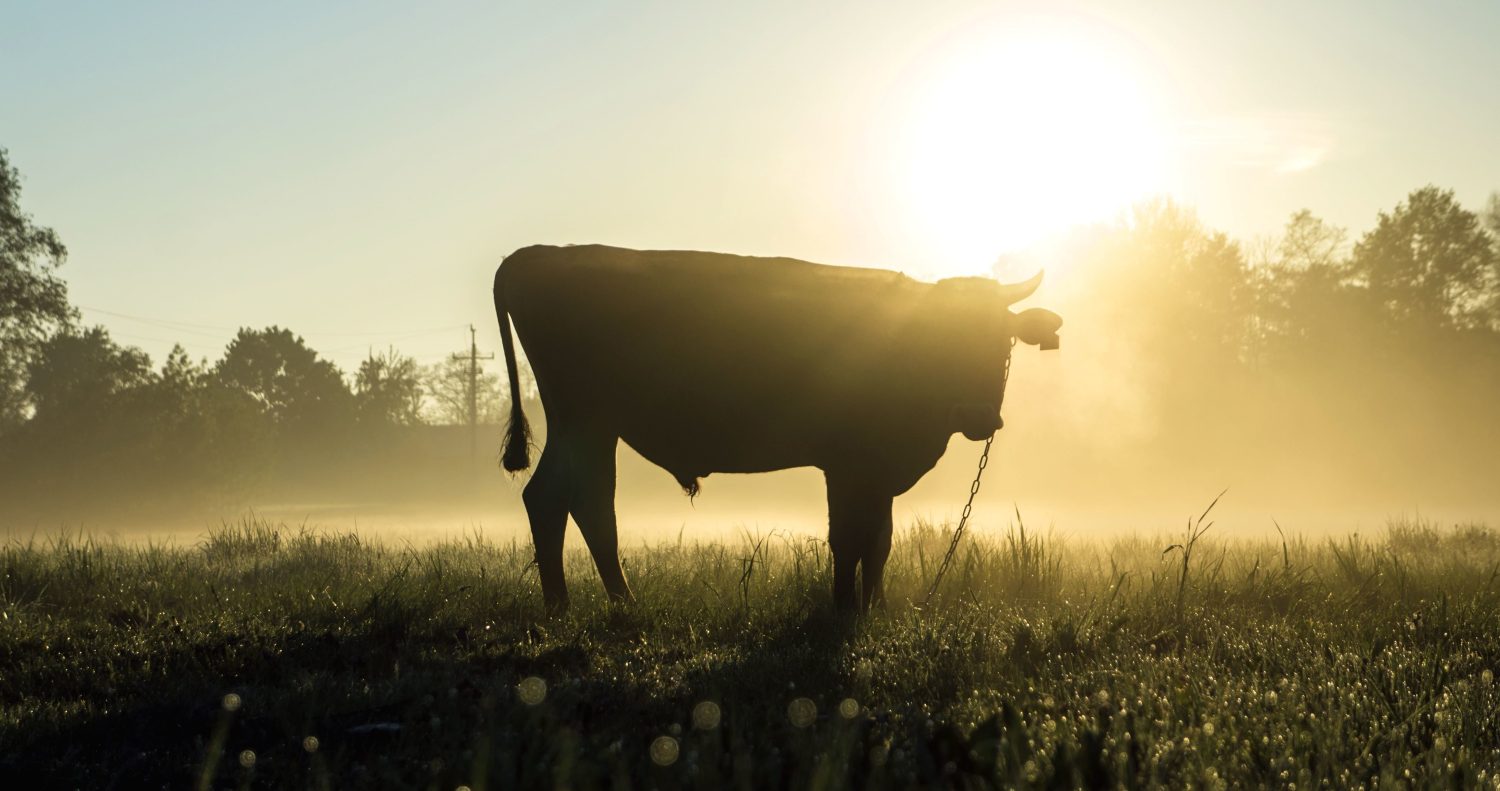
x=279, y=657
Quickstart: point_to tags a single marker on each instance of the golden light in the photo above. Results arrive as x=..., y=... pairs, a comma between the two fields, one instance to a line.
x=1023, y=136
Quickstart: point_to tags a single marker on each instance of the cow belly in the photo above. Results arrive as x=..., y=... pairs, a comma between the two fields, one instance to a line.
x=695, y=451
x=892, y=472
x=891, y=461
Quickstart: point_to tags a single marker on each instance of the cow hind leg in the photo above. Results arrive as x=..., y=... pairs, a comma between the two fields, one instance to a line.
x=593, y=508
x=546, y=499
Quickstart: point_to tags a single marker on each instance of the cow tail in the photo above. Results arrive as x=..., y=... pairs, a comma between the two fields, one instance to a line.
x=515, y=455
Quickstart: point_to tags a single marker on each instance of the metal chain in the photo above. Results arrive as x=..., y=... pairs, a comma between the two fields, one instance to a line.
x=963, y=519
x=984, y=459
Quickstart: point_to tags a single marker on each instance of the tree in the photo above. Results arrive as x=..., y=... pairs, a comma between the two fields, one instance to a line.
x=1429, y=262
x=208, y=439
x=287, y=378
x=1309, y=242
x=1492, y=224
x=74, y=375
x=33, y=301
x=1179, y=289
x=388, y=389
x=108, y=430
x=1302, y=292
x=89, y=423
x=1216, y=314
x=180, y=379
x=447, y=385
x=1492, y=216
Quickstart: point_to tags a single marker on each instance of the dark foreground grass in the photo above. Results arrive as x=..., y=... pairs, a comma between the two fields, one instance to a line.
x=275, y=657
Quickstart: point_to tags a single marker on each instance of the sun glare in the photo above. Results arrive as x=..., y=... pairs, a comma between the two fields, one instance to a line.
x=1022, y=137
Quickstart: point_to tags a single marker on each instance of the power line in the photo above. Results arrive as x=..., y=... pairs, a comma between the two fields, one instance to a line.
x=191, y=329
x=162, y=322
x=356, y=346
x=195, y=328
x=134, y=337
x=389, y=333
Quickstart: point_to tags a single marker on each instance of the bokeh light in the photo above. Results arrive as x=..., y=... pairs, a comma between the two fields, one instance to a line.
x=802, y=712
x=664, y=751
x=706, y=715
x=532, y=690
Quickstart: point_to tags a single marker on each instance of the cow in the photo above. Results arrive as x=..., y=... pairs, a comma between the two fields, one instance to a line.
x=709, y=362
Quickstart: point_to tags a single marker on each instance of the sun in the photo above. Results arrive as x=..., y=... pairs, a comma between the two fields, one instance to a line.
x=1022, y=136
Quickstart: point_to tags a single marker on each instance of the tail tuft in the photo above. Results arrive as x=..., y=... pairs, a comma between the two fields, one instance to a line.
x=516, y=455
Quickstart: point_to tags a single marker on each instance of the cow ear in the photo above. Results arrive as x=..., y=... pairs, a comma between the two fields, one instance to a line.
x=1037, y=327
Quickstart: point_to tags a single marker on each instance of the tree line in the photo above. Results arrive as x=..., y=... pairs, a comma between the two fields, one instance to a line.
x=1377, y=356
x=1369, y=363
x=82, y=416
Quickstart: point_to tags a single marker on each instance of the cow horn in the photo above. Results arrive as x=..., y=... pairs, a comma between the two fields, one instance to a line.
x=1015, y=292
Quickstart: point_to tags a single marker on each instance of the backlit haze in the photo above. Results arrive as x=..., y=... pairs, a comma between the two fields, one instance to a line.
x=356, y=171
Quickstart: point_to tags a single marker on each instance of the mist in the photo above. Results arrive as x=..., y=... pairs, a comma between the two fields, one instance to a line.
x=1328, y=380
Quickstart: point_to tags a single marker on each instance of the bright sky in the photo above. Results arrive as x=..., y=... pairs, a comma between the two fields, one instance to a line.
x=355, y=171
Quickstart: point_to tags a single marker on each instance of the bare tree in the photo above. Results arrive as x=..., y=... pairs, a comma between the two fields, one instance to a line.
x=446, y=391
x=388, y=389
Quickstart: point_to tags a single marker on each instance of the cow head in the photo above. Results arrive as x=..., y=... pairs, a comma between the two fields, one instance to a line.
x=1035, y=327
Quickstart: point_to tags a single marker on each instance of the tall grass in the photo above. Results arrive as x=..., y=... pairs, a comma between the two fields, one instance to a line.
x=1359, y=661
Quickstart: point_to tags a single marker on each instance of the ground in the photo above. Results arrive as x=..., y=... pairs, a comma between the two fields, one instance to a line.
x=279, y=657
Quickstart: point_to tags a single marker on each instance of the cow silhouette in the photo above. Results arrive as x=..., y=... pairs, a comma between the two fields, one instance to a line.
x=707, y=362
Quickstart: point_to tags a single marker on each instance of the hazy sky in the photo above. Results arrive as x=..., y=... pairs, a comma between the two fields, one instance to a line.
x=356, y=170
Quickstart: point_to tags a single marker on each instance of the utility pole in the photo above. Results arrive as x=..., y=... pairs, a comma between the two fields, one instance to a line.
x=473, y=357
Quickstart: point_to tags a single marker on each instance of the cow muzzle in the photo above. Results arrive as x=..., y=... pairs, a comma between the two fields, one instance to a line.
x=974, y=421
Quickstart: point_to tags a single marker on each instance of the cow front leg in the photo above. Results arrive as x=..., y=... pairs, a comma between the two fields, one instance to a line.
x=859, y=536
x=877, y=550
x=546, y=499
x=845, y=574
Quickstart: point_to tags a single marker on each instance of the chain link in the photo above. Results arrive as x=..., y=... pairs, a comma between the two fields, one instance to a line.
x=963, y=519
